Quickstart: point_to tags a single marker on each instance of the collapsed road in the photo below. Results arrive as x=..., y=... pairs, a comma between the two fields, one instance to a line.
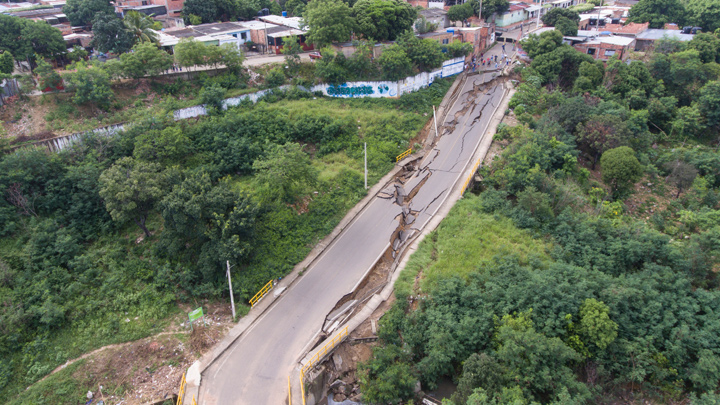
x=255, y=368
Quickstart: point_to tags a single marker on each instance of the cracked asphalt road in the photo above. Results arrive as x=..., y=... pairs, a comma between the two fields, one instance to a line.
x=254, y=370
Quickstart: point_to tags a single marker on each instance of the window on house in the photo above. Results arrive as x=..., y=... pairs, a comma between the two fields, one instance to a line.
x=446, y=41
x=591, y=51
x=609, y=53
x=243, y=35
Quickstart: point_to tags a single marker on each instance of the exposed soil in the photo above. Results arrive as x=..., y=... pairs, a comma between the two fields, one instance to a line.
x=26, y=117
x=341, y=367
x=151, y=369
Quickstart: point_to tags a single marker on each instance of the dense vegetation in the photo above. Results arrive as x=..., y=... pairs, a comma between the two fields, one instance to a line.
x=585, y=269
x=100, y=241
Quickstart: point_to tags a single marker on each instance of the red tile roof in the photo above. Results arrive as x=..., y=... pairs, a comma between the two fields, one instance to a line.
x=631, y=28
x=518, y=6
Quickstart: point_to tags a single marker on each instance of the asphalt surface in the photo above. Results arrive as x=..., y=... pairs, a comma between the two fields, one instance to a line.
x=254, y=370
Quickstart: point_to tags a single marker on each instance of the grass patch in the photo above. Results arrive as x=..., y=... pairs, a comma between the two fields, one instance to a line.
x=466, y=241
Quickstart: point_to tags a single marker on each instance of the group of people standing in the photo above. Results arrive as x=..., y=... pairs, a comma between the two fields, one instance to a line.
x=498, y=60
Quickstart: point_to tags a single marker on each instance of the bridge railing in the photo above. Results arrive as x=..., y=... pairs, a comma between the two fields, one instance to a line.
x=403, y=155
x=267, y=287
x=319, y=356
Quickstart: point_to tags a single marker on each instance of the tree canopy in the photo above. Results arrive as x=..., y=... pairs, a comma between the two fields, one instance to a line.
x=83, y=12
x=140, y=26
x=658, y=12
x=111, y=35
x=131, y=188
x=554, y=14
x=383, y=20
x=328, y=21
x=24, y=38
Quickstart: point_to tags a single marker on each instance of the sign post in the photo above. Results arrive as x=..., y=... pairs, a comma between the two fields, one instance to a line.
x=195, y=315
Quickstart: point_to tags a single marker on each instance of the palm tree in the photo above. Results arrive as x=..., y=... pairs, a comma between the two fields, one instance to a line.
x=140, y=25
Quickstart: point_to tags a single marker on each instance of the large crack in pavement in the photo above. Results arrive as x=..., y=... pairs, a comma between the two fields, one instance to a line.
x=409, y=183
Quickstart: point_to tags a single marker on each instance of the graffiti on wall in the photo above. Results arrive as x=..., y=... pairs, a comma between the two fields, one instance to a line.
x=359, y=89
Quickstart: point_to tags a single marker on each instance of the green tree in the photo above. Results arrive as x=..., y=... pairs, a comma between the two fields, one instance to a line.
x=708, y=45
x=460, y=12
x=706, y=373
x=295, y=7
x=388, y=377
x=704, y=13
x=565, y=25
x=538, y=364
x=291, y=50
x=546, y=42
x=456, y=49
x=232, y=57
x=688, y=122
x=595, y=326
x=44, y=39
x=622, y=78
x=479, y=371
x=490, y=7
x=168, y=145
x=131, y=188
x=78, y=53
x=11, y=39
x=90, y=84
x=193, y=19
x=328, y=21
x=47, y=76
x=620, y=168
x=331, y=68
x=658, y=12
x=383, y=20
x=208, y=223
x=285, y=172
x=213, y=96
x=360, y=63
x=140, y=26
x=275, y=78
x=681, y=72
x=111, y=35
x=709, y=103
x=189, y=52
x=590, y=76
x=601, y=133
x=395, y=63
x=146, y=59
x=7, y=63
x=423, y=26
x=83, y=12
x=560, y=66
x=554, y=14
x=426, y=54
x=207, y=10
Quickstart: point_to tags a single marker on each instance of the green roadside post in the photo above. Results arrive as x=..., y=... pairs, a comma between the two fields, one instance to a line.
x=195, y=315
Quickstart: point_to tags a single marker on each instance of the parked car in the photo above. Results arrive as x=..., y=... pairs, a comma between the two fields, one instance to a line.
x=315, y=55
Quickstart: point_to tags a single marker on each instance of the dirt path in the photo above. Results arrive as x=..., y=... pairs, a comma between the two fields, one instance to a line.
x=102, y=349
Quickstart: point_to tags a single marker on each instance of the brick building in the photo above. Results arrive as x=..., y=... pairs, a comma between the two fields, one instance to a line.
x=606, y=47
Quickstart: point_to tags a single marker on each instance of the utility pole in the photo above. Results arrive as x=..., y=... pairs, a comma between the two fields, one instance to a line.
x=538, y=19
x=232, y=299
x=365, y=165
x=435, y=119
